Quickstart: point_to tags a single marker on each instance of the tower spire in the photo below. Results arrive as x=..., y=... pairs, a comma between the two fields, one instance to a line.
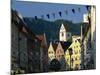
x=62, y=33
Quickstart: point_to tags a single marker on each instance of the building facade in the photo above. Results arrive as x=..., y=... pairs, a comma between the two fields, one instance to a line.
x=18, y=44
x=93, y=32
x=73, y=55
x=51, y=52
x=59, y=52
x=62, y=33
x=89, y=41
x=14, y=44
x=25, y=47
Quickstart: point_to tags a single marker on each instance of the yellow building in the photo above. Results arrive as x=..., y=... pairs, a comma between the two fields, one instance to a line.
x=73, y=55
x=51, y=52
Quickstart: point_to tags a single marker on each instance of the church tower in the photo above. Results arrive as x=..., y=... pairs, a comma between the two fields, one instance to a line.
x=62, y=33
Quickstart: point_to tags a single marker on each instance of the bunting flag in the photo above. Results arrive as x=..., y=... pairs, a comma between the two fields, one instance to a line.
x=60, y=14
x=73, y=10
x=87, y=7
x=48, y=16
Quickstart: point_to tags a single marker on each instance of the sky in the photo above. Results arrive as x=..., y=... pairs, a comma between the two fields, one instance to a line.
x=31, y=9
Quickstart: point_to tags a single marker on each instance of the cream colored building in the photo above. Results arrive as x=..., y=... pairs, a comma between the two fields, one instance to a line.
x=51, y=52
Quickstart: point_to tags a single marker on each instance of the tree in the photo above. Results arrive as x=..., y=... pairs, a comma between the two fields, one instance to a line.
x=54, y=65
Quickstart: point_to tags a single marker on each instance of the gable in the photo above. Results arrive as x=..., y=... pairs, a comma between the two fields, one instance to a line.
x=62, y=28
x=59, y=47
x=51, y=48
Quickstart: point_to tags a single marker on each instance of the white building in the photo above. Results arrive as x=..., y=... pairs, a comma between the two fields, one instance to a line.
x=85, y=18
x=93, y=31
x=63, y=34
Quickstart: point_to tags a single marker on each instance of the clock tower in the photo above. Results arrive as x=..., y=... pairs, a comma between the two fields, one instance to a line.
x=62, y=33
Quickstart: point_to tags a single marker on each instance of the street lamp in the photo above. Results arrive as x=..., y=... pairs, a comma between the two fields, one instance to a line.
x=70, y=53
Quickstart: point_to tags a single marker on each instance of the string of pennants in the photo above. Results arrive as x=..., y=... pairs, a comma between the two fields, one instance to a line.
x=60, y=13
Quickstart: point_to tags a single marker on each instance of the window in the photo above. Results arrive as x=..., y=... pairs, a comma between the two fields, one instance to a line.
x=14, y=53
x=67, y=59
x=59, y=56
x=58, y=52
x=49, y=52
x=72, y=60
x=75, y=40
x=62, y=34
x=62, y=55
x=76, y=58
x=76, y=52
x=76, y=66
x=19, y=38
